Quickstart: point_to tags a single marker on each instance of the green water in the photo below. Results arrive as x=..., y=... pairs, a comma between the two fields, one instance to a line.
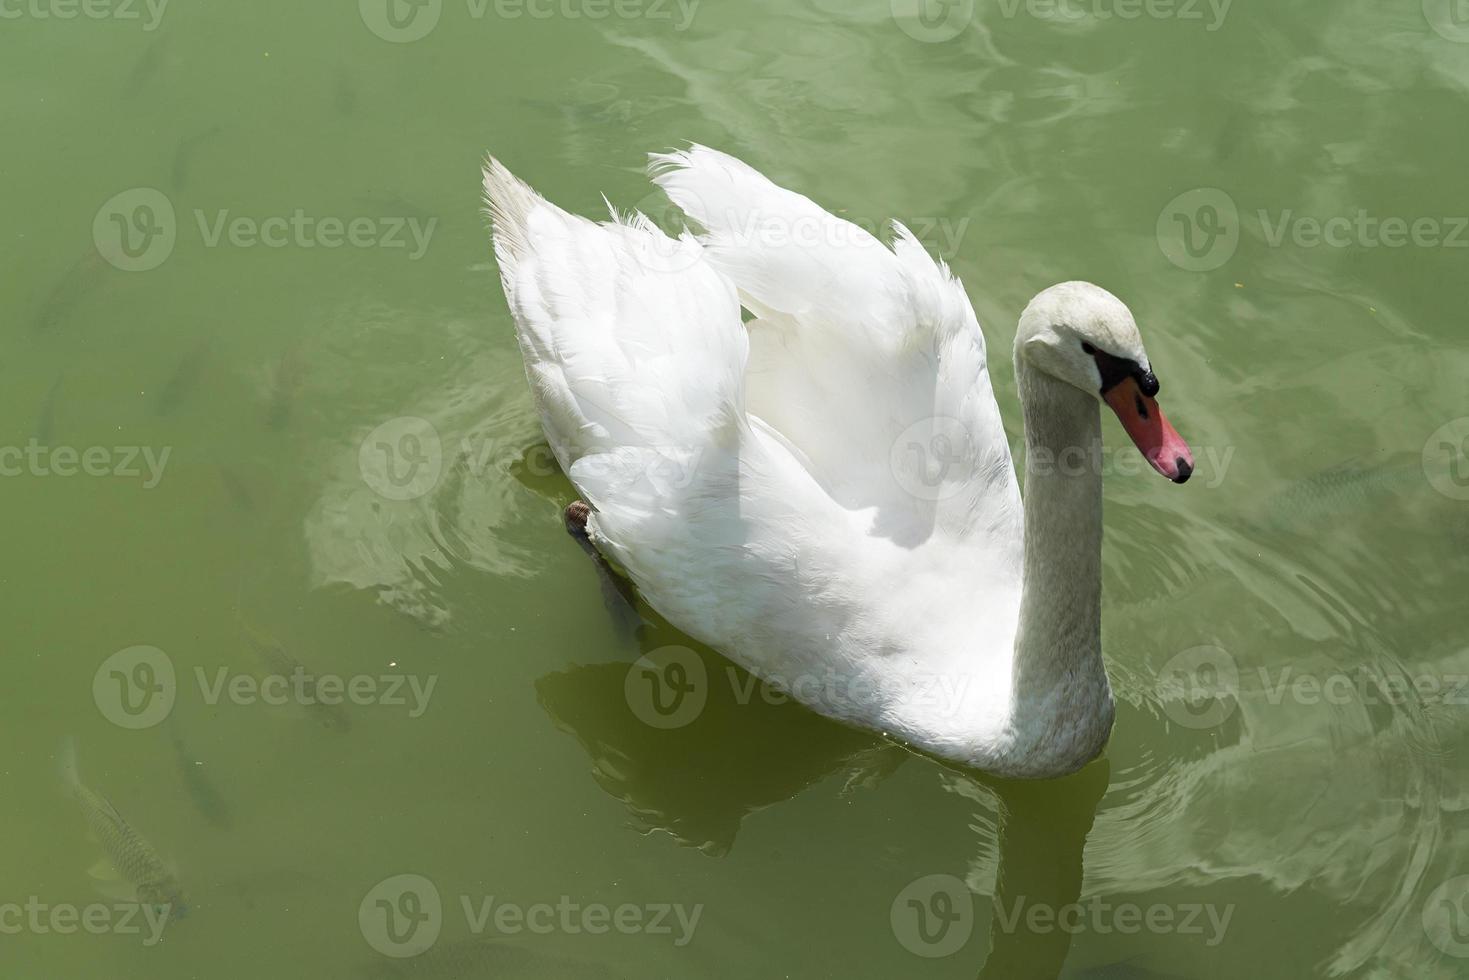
x=1242, y=823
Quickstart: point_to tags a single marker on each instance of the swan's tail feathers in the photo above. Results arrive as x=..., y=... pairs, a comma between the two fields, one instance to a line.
x=509, y=202
x=633, y=343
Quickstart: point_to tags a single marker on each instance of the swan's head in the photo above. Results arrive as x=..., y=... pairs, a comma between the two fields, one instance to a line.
x=1083, y=335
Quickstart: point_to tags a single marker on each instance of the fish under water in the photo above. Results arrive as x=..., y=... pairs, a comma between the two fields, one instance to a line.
x=281, y=664
x=1356, y=487
x=134, y=861
x=285, y=384
x=1121, y=970
x=185, y=377
x=389, y=204
x=617, y=595
x=147, y=65
x=183, y=156
x=487, y=959
x=344, y=96
x=238, y=490
x=79, y=280
x=46, y=417
x=1227, y=141
x=201, y=789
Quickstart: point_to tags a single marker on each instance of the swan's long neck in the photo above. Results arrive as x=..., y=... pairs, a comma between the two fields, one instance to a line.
x=1061, y=695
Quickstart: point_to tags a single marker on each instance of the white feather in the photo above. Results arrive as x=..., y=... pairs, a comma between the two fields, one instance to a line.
x=770, y=487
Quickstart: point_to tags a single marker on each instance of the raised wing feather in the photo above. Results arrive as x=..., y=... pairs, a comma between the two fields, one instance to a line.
x=868, y=360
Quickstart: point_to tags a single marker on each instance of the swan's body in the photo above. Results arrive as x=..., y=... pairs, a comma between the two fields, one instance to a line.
x=826, y=494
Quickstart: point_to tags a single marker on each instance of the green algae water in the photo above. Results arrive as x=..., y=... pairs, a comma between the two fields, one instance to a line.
x=283, y=548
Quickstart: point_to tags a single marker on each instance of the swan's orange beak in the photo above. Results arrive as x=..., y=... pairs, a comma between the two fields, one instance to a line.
x=1156, y=439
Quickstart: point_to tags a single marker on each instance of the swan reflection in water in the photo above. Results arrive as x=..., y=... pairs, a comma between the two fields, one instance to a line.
x=1352, y=817
x=743, y=746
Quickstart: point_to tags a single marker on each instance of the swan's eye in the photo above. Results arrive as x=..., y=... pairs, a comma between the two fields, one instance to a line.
x=1115, y=370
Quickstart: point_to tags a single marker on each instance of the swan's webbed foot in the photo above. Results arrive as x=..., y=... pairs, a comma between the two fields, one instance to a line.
x=577, y=513
x=616, y=592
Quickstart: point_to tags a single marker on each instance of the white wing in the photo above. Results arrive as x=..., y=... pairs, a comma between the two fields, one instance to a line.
x=766, y=511
x=868, y=360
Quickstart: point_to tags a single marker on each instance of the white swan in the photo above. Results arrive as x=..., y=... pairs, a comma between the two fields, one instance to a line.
x=825, y=494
